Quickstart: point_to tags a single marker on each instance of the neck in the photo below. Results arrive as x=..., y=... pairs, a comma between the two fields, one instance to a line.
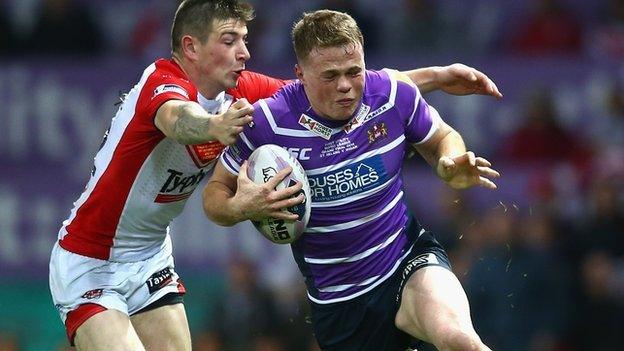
x=207, y=90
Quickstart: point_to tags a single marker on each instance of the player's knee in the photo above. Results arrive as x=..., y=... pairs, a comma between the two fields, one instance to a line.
x=407, y=323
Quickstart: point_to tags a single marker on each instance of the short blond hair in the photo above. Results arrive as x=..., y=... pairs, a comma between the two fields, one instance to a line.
x=323, y=29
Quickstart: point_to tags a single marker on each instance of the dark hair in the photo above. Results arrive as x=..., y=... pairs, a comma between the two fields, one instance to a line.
x=322, y=29
x=195, y=17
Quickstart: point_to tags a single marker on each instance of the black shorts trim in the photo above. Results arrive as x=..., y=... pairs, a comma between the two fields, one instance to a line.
x=172, y=298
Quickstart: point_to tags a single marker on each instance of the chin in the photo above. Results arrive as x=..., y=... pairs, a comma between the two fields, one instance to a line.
x=230, y=84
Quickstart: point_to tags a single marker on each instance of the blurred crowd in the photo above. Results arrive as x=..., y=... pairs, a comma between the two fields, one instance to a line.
x=476, y=27
x=542, y=274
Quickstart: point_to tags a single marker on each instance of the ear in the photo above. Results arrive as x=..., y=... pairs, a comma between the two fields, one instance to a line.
x=299, y=72
x=189, y=47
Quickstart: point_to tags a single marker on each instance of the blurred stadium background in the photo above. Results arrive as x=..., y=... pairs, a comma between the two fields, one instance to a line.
x=541, y=258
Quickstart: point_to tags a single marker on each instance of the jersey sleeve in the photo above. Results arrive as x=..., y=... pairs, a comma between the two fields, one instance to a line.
x=255, y=86
x=159, y=89
x=421, y=119
x=252, y=137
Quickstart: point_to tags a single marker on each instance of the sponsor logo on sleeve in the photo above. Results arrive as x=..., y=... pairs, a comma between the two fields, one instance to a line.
x=170, y=88
x=159, y=280
x=349, y=180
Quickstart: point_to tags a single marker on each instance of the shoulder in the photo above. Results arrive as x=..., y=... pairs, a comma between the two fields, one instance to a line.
x=389, y=83
x=165, y=76
x=254, y=86
x=279, y=114
x=389, y=86
x=284, y=101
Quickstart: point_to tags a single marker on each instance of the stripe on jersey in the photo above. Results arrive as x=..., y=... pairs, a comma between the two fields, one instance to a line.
x=356, y=222
x=310, y=134
x=356, y=257
x=416, y=100
x=382, y=150
x=243, y=137
x=162, y=198
x=229, y=163
x=363, y=291
x=356, y=197
x=93, y=233
x=283, y=131
x=343, y=287
x=391, y=99
x=436, y=121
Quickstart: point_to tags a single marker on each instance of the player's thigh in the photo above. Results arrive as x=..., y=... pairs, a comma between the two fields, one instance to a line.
x=163, y=328
x=433, y=303
x=107, y=331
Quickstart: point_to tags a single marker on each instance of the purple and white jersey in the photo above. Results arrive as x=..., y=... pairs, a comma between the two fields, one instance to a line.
x=356, y=235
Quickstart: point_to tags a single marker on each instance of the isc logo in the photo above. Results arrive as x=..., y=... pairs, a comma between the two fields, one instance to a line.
x=301, y=154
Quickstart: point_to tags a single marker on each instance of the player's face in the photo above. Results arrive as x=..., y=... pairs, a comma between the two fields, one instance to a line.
x=222, y=57
x=333, y=79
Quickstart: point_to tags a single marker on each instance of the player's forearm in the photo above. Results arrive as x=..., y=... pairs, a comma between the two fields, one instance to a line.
x=448, y=143
x=424, y=78
x=220, y=205
x=193, y=125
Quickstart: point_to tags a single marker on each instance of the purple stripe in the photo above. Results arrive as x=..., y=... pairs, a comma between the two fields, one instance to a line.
x=355, y=272
x=326, y=216
x=352, y=241
x=421, y=123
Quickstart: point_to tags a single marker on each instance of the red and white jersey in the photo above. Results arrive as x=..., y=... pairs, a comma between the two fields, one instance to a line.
x=141, y=179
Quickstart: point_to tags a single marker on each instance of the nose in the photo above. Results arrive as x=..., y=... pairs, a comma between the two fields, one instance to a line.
x=344, y=85
x=243, y=53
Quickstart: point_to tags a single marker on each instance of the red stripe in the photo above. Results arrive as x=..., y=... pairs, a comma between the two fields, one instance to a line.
x=162, y=198
x=196, y=160
x=78, y=316
x=92, y=231
x=181, y=287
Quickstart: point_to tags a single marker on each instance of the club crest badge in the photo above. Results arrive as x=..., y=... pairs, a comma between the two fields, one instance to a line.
x=376, y=132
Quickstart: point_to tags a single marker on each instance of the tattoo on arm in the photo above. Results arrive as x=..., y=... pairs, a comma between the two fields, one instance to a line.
x=192, y=125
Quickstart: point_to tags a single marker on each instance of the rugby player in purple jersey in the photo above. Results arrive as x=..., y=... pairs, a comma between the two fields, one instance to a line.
x=376, y=278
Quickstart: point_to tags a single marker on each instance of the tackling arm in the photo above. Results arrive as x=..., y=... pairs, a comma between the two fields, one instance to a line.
x=188, y=123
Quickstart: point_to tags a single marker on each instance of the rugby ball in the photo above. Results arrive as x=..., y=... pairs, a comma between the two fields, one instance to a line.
x=264, y=163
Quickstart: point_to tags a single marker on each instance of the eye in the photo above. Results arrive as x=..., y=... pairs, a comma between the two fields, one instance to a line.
x=329, y=76
x=355, y=72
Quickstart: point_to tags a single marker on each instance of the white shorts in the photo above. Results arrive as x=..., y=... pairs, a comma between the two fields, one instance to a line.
x=83, y=286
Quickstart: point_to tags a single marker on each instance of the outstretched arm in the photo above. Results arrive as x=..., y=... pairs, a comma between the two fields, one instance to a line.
x=456, y=79
x=229, y=199
x=446, y=152
x=188, y=123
